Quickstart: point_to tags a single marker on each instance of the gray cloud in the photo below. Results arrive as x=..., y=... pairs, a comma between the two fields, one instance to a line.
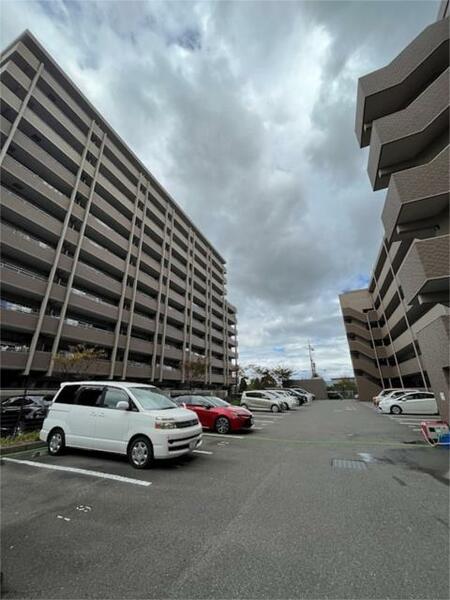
x=245, y=113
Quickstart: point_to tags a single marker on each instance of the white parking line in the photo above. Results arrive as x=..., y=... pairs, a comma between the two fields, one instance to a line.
x=80, y=471
x=263, y=421
x=407, y=420
x=236, y=437
x=417, y=429
x=257, y=428
x=201, y=452
x=270, y=417
x=268, y=414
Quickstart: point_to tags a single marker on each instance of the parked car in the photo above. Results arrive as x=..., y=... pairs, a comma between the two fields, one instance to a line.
x=301, y=398
x=262, y=399
x=394, y=393
x=309, y=395
x=217, y=414
x=20, y=414
x=125, y=418
x=289, y=400
x=376, y=399
x=334, y=395
x=421, y=403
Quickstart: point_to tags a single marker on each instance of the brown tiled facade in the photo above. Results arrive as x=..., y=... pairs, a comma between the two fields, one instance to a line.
x=94, y=250
x=398, y=328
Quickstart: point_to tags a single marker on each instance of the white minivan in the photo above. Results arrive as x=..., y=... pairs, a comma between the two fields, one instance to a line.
x=125, y=418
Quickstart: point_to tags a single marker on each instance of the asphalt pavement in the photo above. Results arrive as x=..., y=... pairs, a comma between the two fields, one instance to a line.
x=328, y=501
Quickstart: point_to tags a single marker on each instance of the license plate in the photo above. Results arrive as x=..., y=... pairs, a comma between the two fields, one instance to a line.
x=192, y=445
x=252, y=420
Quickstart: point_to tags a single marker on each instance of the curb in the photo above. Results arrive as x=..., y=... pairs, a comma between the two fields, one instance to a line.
x=21, y=447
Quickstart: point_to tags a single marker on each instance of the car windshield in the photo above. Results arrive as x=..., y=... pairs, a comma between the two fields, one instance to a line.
x=217, y=401
x=152, y=398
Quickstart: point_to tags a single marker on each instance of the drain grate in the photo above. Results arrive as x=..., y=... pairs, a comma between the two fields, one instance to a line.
x=343, y=463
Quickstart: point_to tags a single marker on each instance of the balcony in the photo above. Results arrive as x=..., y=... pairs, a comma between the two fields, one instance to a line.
x=145, y=302
x=411, y=136
x=409, y=367
x=177, y=298
x=362, y=348
x=138, y=370
x=16, y=361
x=92, y=306
x=404, y=339
x=355, y=315
x=140, y=322
x=197, y=342
x=198, y=310
x=424, y=274
x=26, y=249
x=359, y=330
x=174, y=334
x=39, y=161
x=15, y=279
x=120, y=177
x=170, y=374
x=90, y=277
x=368, y=366
x=110, y=192
x=417, y=198
x=171, y=353
x=175, y=316
x=393, y=87
x=140, y=346
x=34, y=188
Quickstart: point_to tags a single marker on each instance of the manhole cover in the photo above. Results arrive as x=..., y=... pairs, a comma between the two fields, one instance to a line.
x=342, y=463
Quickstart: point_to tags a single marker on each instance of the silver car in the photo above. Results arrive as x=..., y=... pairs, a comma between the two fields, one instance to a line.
x=262, y=399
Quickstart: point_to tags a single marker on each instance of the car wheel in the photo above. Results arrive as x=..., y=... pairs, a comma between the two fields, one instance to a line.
x=275, y=408
x=56, y=442
x=140, y=452
x=286, y=406
x=396, y=410
x=244, y=406
x=222, y=425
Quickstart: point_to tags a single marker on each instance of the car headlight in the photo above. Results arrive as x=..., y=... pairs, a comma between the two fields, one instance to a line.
x=165, y=424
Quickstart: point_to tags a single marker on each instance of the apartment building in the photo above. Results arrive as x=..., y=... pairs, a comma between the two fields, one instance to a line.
x=94, y=250
x=398, y=328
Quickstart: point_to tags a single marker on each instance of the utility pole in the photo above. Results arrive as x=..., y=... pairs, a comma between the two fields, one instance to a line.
x=311, y=360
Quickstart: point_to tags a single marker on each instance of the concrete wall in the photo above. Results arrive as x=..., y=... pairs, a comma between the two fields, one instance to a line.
x=316, y=386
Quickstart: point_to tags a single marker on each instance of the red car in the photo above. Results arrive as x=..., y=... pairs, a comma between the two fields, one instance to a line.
x=214, y=413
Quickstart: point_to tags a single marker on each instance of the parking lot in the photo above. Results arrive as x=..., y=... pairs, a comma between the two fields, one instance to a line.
x=331, y=500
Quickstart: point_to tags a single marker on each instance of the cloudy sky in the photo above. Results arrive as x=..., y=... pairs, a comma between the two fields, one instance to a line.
x=244, y=111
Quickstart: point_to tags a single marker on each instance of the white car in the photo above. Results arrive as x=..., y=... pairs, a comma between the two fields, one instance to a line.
x=125, y=418
x=262, y=399
x=310, y=396
x=384, y=393
x=421, y=403
x=289, y=400
x=396, y=393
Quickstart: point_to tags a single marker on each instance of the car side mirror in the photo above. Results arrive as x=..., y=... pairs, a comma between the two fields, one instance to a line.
x=122, y=405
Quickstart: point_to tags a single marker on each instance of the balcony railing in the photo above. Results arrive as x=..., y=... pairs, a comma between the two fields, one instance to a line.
x=27, y=236
x=26, y=272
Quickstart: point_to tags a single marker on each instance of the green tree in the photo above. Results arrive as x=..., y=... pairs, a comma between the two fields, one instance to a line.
x=282, y=375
